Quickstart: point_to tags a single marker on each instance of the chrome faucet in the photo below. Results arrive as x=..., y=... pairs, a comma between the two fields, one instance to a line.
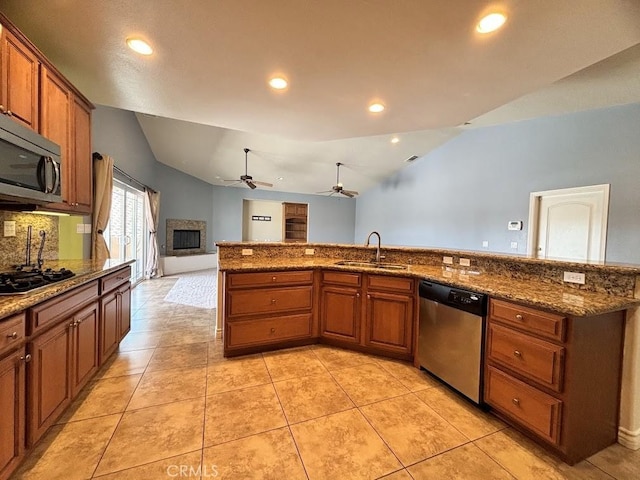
x=378, y=256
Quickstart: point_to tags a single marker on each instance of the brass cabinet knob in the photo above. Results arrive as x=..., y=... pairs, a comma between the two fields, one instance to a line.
x=368, y=296
x=517, y=353
x=357, y=295
x=273, y=300
x=273, y=330
x=26, y=358
x=73, y=324
x=2, y=109
x=516, y=401
x=273, y=279
x=519, y=317
x=13, y=335
x=8, y=112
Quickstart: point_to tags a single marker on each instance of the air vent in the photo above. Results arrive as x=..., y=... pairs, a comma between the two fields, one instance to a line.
x=411, y=158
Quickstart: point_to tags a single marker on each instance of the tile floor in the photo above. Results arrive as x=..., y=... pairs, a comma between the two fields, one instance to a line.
x=168, y=405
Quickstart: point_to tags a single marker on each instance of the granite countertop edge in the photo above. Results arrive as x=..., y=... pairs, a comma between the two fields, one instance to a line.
x=86, y=271
x=568, y=301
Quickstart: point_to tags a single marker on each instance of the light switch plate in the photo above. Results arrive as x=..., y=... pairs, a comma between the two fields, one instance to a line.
x=309, y=251
x=87, y=228
x=79, y=227
x=10, y=228
x=574, y=277
x=447, y=260
x=247, y=251
x=465, y=262
x=485, y=243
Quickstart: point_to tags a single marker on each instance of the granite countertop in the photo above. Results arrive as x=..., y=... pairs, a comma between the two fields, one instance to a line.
x=538, y=294
x=85, y=270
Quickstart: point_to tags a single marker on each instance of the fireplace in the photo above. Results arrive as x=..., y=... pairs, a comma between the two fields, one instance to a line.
x=186, y=237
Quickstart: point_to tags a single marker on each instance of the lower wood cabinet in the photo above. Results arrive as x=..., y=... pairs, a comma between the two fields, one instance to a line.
x=115, y=315
x=12, y=410
x=84, y=338
x=340, y=316
x=389, y=322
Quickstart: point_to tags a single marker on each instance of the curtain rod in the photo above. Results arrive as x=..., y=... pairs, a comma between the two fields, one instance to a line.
x=98, y=156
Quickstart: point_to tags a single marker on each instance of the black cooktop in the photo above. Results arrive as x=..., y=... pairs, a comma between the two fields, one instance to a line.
x=25, y=279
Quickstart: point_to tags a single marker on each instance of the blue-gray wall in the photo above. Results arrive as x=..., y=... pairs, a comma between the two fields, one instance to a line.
x=467, y=190
x=331, y=219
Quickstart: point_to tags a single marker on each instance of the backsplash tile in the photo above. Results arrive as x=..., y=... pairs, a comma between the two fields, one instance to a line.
x=13, y=249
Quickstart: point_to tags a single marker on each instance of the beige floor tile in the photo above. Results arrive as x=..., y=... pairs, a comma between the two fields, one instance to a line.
x=460, y=413
x=237, y=373
x=183, y=466
x=408, y=375
x=311, y=397
x=189, y=321
x=467, y=462
x=412, y=430
x=267, y=456
x=284, y=364
x=139, y=326
x=343, y=446
x=240, y=413
x=126, y=363
x=178, y=356
x=70, y=451
x=399, y=475
x=166, y=386
x=526, y=461
x=368, y=383
x=151, y=434
x=102, y=397
x=140, y=341
x=216, y=351
x=184, y=336
x=618, y=461
x=336, y=358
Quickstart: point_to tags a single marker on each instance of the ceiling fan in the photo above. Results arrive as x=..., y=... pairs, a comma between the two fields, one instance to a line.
x=246, y=178
x=338, y=188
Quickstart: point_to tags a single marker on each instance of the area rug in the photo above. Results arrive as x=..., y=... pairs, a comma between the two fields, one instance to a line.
x=197, y=289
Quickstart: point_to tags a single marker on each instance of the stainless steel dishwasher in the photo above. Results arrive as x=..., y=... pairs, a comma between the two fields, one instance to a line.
x=450, y=336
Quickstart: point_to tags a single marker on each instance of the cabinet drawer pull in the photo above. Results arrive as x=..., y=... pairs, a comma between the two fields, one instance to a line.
x=273, y=279
x=273, y=330
x=357, y=295
x=517, y=353
x=368, y=296
x=519, y=317
x=73, y=324
x=273, y=301
x=516, y=402
x=12, y=336
x=26, y=358
x=10, y=113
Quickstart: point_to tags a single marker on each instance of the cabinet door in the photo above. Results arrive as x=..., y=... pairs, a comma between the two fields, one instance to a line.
x=12, y=419
x=109, y=337
x=19, y=81
x=125, y=311
x=389, y=321
x=340, y=314
x=48, y=376
x=81, y=160
x=85, y=347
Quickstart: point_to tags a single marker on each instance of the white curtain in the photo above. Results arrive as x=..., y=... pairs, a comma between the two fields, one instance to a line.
x=152, y=209
x=103, y=187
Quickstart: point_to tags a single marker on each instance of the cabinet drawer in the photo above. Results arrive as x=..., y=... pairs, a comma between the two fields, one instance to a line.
x=544, y=324
x=398, y=284
x=536, y=359
x=12, y=332
x=342, y=278
x=534, y=409
x=111, y=281
x=269, y=300
x=268, y=330
x=261, y=279
x=47, y=313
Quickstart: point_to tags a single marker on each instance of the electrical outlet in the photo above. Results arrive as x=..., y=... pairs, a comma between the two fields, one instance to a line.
x=309, y=251
x=87, y=228
x=79, y=227
x=465, y=262
x=247, y=251
x=574, y=277
x=10, y=228
x=514, y=245
x=485, y=243
x=447, y=260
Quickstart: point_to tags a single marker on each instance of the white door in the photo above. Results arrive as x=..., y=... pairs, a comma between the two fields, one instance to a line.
x=570, y=224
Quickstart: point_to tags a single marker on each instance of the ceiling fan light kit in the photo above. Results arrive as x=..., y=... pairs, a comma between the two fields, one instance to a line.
x=338, y=188
x=246, y=178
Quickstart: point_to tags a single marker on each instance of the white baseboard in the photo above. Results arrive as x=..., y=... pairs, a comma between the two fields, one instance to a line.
x=628, y=438
x=188, y=263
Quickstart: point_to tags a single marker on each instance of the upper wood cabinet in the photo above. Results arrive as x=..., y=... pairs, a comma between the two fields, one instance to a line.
x=295, y=222
x=18, y=81
x=34, y=93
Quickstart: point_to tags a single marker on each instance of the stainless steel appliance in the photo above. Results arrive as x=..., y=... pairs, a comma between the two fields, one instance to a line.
x=25, y=279
x=450, y=336
x=29, y=165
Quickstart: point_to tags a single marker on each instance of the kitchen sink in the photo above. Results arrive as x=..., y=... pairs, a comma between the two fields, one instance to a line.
x=384, y=266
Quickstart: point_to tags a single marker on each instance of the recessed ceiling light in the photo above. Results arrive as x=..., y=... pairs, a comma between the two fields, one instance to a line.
x=280, y=178
x=278, y=83
x=218, y=177
x=491, y=23
x=395, y=140
x=140, y=46
x=376, y=107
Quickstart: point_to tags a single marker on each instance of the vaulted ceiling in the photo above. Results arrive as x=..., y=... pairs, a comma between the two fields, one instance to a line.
x=203, y=95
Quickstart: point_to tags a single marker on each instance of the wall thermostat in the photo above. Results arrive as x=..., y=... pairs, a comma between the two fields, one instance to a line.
x=515, y=225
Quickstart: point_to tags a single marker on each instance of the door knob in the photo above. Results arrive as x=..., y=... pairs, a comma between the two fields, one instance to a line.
x=13, y=335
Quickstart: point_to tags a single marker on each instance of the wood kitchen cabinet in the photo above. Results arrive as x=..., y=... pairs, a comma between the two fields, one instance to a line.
x=80, y=185
x=115, y=308
x=19, y=82
x=84, y=338
x=341, y=306
x=555, y=377
x=267, y=310
x=294, y=222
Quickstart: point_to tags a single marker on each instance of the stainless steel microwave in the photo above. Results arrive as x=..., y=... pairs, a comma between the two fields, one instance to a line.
x=29, y=165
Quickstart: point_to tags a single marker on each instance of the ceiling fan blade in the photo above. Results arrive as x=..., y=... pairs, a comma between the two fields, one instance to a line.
x=250, y=184
x=264, y=184
x=327, y=191
x=352, y=192
x=346, y=193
